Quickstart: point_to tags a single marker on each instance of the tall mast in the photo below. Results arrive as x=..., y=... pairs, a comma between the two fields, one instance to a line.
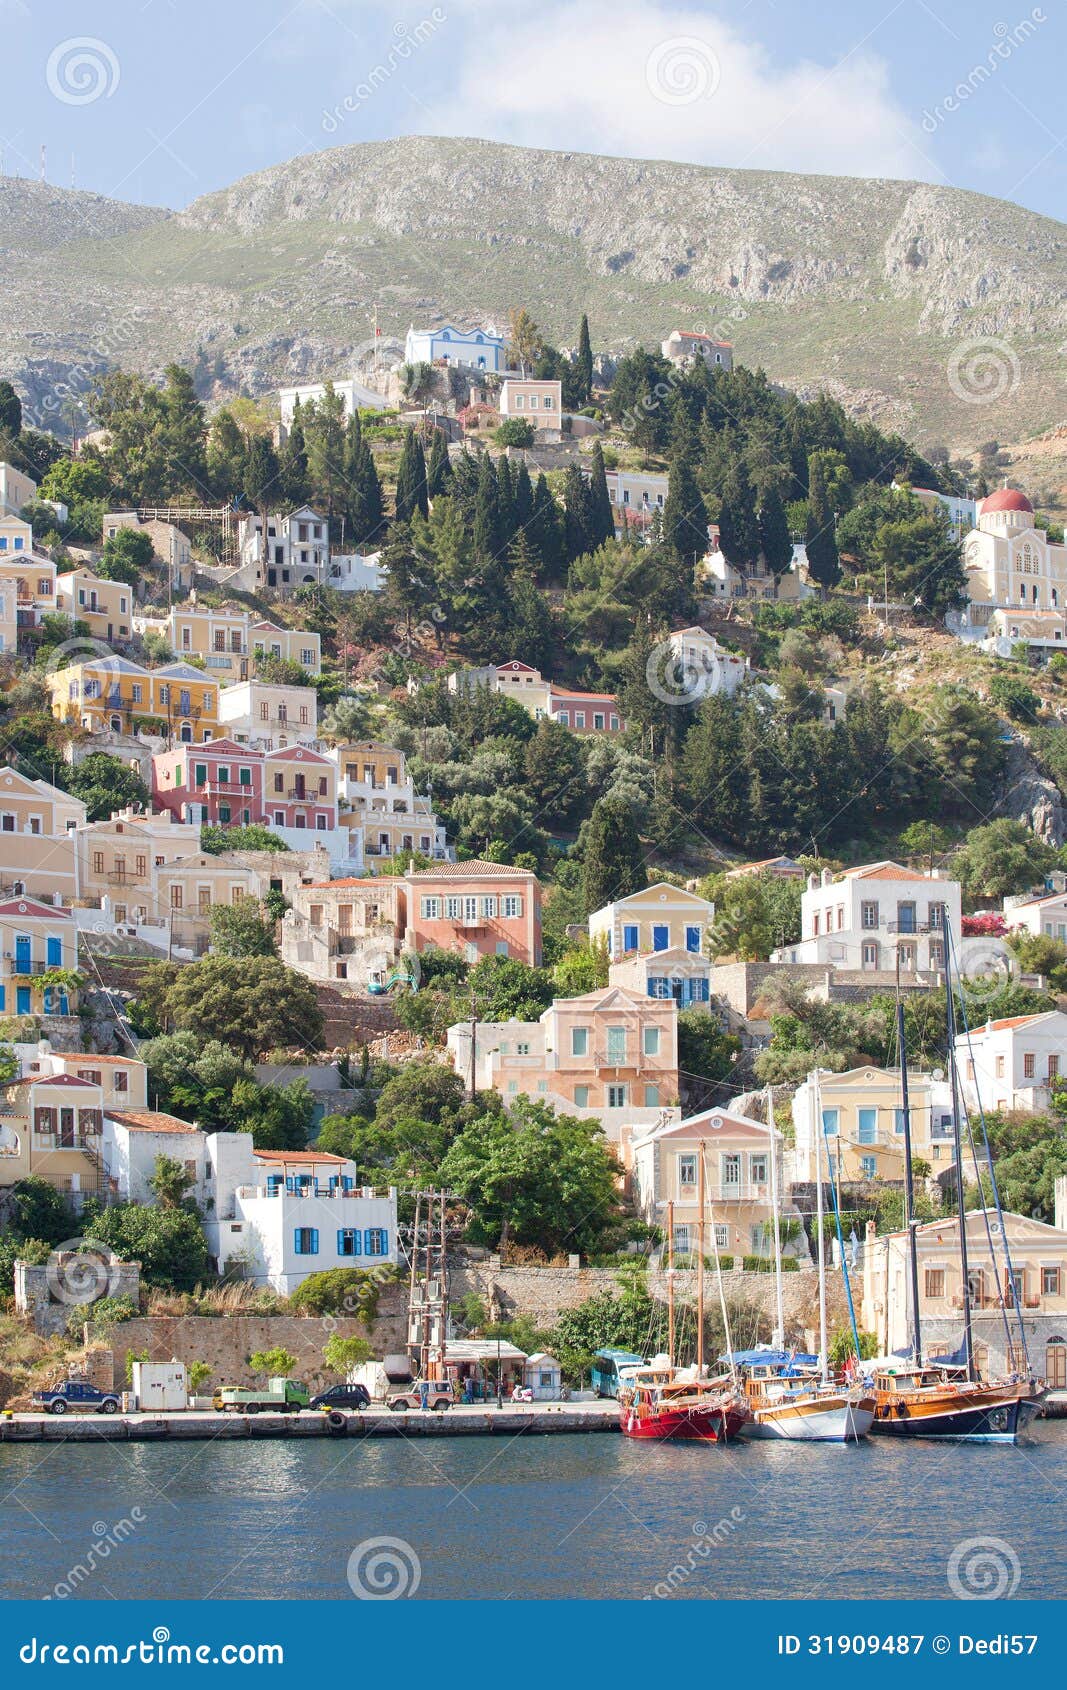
x=816, y=1090
x=778, y=1335
x=670, y=1282
x=722, y=1294
x=909, y=1183
x=442, y=1350
x=700, y=1267
x=957, y=1145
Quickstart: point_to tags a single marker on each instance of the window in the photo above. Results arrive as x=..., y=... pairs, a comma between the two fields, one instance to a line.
x=489, y=908
x=687, y=1169
x=453, y=909
x=868, y=1166
x=651, y=1097
x=306, y=1241
x=598, y=719
x=935, y=1282
x=1050, y=1281
x=731, y=1172
x=868, y=1126
x=650, y=1041
x=868, y=915
x=579, y=1041
x=692, y=939
x=630, y=936
x=757, y=1169
x=176, y=896
x=1029, y=1065
x=998, y=1067
x=581, y=1097
x=376, y=1241
x=830, y=1121
x=898, y=1120
x=431, y=909
x=122, y=1080
x=616, y=1097
x=349, y=1241
x=722, y=1236
x=522, y=1048
x=1053, y=1067
x=616, y=1044
x=307, y=657
x=98, y=860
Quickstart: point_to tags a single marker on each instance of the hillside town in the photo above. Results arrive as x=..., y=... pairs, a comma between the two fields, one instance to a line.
x=605, y=796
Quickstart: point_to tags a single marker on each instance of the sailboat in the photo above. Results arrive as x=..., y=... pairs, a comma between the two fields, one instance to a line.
x=942, y=1398
x=680, y=1403
x=791, y=1396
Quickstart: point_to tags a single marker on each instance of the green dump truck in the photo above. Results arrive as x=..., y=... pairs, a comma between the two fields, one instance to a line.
x=284, y=1396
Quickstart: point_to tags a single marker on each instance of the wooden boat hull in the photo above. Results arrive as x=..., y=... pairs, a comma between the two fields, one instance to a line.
x=709, y=1425
x=833, y=1419
x=976, y=1416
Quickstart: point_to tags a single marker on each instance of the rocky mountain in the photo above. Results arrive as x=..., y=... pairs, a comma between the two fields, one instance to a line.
x=933, y=310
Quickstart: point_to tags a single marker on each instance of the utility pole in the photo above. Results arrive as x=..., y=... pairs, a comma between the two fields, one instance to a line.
x=670, y=1281
x=474, y=1048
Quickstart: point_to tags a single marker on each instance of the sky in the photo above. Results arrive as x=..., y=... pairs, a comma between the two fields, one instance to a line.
x=159, y=101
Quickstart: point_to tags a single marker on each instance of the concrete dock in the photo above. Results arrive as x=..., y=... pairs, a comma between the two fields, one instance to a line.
x=480, y=1420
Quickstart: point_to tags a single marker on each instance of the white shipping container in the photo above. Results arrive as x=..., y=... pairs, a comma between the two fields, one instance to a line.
x=160, y=1386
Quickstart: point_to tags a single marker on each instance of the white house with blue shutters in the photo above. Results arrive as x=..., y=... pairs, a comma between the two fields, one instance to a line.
x=278, y=1216
x=474, y=349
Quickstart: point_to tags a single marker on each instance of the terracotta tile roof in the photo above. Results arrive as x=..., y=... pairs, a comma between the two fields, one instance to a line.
x=887, y=871
x=150, y=1121
x=474, y=869
x=302, y=1156
x=1013, y=1021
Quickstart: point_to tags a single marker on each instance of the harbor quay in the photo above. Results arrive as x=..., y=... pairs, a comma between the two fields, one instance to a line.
x=512, y=1420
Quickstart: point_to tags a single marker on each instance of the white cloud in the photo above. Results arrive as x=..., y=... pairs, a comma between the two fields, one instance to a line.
x=653, y=81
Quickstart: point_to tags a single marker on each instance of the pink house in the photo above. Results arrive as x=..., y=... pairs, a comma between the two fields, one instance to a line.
x=476, y=908
x=584, y=712
x=220, y=783
x=300, y=789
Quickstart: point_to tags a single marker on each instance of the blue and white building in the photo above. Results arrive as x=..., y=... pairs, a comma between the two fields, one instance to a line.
x=473, y=349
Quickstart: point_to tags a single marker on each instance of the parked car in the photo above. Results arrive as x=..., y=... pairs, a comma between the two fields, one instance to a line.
x=439, y=1395
x=343, y=1396
x=79, y=1396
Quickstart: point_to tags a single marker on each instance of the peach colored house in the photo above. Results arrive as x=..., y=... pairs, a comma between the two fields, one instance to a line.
x=737, y=1153
x=609, y=1055
x=118, y=860
x=300, y=790
x=476, y=908
x=50, y=1128
x=106, y=607
x=38, y=838
x=539, y=402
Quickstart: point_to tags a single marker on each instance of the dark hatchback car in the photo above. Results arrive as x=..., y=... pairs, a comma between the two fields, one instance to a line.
x=343, y=1396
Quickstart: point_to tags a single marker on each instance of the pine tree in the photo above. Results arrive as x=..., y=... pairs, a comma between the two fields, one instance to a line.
x=601, y=519
x=821, y=540
x=439, y=469
x=685, y=518
x=584, y=360
x=775, y=540
x=738, y=529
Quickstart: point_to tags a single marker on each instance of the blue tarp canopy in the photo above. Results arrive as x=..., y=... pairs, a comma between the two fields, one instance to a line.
x=770, y=1358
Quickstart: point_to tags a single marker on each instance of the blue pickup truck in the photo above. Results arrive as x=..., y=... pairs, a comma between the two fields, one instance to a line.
x=75, y=1395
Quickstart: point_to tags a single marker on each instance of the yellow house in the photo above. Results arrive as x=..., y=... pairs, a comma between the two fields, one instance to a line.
x=737, y=1153
x=191, y=887
x=658, y=918
x=106, y=607
x=112, y=694
x=38, y=959
x=119, y=859
x=51, y=1127
x=863, y=1124
x=38, y=839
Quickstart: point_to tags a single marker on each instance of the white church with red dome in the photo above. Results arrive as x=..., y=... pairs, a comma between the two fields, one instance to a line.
x=1016, y=577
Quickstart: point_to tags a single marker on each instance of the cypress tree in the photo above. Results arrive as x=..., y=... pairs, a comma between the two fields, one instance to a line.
x=775, y=540
x=577, y=512
x=738, y=530
x=601, y=521
x=821, y=540
x=585, y=361
x=439, y=469
x=411, y=479
x=522, y=503
x=506, y=501
x=260, y=477
x=293, y=462
x=546, y=532
x=612, y=859
x=685, y=518
x=363, y=489
x=487, y=540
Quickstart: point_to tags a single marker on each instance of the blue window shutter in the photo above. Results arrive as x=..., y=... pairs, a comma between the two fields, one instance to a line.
x=297, y=1246
x=314, y=1241
x=357, y=1241
x=3, y=997
x=340, y=1241
x=383, y=1239
x=55, y=952
x=629, y=937
x=692, y=938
